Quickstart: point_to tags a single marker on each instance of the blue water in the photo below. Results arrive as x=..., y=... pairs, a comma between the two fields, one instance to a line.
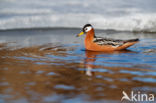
x=52, y=65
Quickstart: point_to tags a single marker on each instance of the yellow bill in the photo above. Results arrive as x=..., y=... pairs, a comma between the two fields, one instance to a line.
x=80, y=34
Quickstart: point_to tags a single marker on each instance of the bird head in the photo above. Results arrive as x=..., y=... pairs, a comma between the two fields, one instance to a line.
x=85, y=29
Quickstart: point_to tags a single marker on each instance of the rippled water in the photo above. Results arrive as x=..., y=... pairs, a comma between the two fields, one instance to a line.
x=52, y=66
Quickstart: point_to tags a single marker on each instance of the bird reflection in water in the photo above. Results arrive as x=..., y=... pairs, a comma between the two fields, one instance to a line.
x=91, y=58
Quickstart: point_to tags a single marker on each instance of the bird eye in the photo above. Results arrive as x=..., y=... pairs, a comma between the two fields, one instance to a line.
x=85, y=29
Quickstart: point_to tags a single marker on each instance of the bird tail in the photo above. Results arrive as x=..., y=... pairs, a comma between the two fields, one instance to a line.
x=127, y=43
x=132, y=40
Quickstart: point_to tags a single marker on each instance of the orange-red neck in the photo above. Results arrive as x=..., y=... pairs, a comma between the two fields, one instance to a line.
x=89, y=38
x=90, y=35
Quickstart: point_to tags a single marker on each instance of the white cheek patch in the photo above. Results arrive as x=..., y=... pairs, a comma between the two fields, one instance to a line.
x=88, y=28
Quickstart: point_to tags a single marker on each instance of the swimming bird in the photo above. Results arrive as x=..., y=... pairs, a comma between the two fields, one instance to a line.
x=94, y=43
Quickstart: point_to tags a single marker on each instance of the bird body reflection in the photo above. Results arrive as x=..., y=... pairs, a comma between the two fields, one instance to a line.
x=91, y=58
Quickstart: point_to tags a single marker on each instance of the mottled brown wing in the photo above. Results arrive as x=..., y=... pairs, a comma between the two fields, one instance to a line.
x=106, y=41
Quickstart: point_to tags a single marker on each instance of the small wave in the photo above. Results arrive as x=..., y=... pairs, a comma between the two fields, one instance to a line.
x=137, y=22
x=118, y=15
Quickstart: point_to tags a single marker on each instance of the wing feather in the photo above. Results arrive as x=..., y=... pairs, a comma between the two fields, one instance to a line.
x=106, y=41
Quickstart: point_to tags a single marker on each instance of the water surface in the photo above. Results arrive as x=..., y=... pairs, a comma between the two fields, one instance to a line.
x=52, y=66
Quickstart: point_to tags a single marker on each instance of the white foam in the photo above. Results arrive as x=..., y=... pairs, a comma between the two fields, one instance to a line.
x=104, y=14
x=137, y=22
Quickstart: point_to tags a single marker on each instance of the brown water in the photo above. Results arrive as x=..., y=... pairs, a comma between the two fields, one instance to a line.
x=52, y=66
